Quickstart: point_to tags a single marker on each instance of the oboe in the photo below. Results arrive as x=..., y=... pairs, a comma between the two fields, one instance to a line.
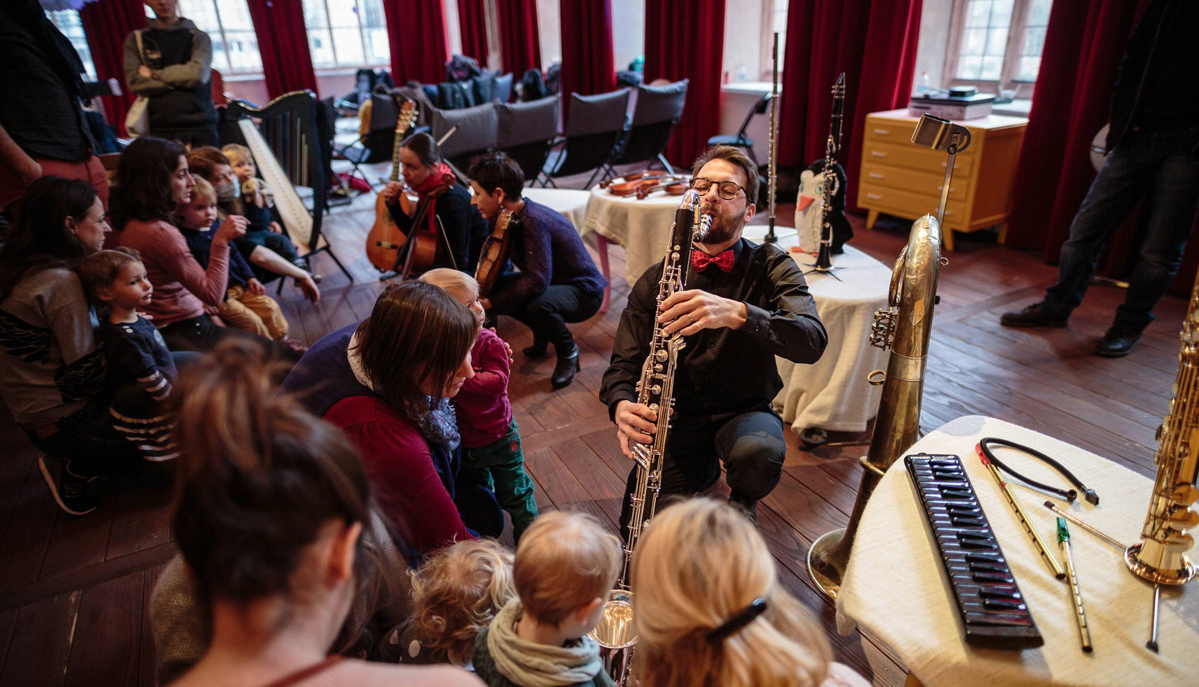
x=824, y=259
x=774, y=108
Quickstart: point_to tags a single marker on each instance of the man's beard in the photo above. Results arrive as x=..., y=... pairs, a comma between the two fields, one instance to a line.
x=723, y=229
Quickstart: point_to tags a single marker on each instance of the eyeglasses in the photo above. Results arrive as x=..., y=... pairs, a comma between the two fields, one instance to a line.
x=727, y=190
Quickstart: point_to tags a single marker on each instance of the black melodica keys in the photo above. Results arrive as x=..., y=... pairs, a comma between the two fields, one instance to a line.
x=992, y=608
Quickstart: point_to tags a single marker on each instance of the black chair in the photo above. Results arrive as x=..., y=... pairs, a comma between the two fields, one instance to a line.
x=594, y=126
x=503, y=88
x=655, y=114
x=527, y=132
x=477, y=132
x=378, y=143
x=740, y=139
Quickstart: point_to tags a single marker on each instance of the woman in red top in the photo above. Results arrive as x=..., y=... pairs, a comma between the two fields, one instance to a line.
x=386, y=382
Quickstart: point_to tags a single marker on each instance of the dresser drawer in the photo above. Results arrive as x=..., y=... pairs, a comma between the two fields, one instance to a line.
x=908, y=204
x=919, y=182
x=911, y=157
x=889, y=131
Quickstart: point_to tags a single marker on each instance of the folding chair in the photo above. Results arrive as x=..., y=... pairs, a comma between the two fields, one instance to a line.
x=741, y=139
x=593, y=130
x=657, y=110
x=477, y=132
x=378, y=142
x=526, y=133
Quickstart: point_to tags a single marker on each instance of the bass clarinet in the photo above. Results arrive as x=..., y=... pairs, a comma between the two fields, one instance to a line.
x=655, y=389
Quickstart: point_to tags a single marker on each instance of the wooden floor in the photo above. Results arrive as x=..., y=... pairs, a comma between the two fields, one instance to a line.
x=74, y=591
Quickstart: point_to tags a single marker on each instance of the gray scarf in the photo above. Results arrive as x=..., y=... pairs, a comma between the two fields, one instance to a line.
x=538, y=665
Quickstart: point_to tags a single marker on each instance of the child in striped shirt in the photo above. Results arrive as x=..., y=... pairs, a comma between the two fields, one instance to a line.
x=140, y=368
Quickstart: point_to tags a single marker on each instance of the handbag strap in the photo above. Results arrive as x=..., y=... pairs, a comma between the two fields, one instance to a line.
x=141, y=53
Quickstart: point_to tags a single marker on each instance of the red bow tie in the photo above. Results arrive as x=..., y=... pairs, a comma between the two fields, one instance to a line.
x=700, y=260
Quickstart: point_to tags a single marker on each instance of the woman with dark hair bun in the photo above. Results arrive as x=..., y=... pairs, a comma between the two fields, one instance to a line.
x=387, y=382
x=458, y=223
x=269, y=515
x=52, y=372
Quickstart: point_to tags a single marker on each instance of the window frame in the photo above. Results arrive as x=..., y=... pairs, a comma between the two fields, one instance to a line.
x=327, y=30
x=1011, y=54
x=765, y=56
x=89, y=62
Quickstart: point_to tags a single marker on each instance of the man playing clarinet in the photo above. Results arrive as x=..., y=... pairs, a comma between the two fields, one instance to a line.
x=743, y=304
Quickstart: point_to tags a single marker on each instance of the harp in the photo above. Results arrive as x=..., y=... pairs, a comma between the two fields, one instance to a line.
x=283, y=136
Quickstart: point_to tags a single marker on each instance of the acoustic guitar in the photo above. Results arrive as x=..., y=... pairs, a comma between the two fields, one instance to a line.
x=494, y=254
x=385, y=238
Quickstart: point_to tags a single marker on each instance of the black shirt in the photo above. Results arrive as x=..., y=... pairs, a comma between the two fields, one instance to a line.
x=39, y=79
x=722, y=370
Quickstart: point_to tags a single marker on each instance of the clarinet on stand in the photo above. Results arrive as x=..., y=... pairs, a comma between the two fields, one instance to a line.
x=774, y=108
x=824, y=259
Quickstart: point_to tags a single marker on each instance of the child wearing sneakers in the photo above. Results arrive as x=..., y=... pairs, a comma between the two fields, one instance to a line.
x=565, y=566
x=140, y=367
x=246, y=305
x=491, y=453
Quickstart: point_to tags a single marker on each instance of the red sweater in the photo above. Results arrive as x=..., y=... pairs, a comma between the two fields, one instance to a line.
x=181, y=286
x=400, y=468
x=482, y=404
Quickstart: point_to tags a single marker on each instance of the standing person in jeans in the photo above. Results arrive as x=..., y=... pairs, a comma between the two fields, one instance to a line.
x=42, y=128
x=173, y=69
x=557, y=282
x=1153, y=154
x=52, y=370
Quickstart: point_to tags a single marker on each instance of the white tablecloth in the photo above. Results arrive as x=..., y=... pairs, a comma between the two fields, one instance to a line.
x=570, y=202
x=832, y=394
x=894, y=588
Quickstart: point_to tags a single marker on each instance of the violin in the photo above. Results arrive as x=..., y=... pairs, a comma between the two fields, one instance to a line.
x=639, y=187
x=384, y=240
x=494, y=253
x=632, y=176
x=677, y=187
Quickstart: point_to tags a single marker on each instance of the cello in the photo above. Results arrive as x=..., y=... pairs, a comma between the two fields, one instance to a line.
x=384, y=240
x=494, y=253
x=425, y=245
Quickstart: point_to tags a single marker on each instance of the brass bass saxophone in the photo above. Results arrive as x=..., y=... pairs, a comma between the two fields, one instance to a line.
x=1160, y=556
x=655, y=389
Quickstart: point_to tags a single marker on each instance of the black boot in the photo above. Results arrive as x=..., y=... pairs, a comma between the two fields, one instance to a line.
x=564, y=371
x=537, y=350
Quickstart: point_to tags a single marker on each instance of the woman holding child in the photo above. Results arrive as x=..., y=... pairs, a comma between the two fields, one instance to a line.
x=386, y=382
x=52, y=371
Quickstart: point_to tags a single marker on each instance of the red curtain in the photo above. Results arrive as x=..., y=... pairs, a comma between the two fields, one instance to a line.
x=874, y=43
x=693, y=50
x=417, y=35
x=283, y=44
x=106, y=23
x=587, y=62
x=472, y=22
x=518, y=35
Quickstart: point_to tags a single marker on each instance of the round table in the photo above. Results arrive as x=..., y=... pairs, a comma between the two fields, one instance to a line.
x=641, y=226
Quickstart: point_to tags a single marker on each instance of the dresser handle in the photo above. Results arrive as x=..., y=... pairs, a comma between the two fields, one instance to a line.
x=872, y=196
x=876, y=175
x=877, y=153
x=883, y=132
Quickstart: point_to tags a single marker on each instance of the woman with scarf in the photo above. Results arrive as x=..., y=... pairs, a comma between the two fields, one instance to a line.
x=386, y=382
x=458, y=224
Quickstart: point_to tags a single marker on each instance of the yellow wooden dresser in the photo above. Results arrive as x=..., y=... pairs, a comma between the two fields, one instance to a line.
x=904, y=180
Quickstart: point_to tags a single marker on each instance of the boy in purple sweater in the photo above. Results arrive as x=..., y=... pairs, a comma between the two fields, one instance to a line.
x=491, y=454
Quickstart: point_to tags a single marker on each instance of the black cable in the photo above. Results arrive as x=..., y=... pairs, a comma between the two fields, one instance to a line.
x=1069, y=495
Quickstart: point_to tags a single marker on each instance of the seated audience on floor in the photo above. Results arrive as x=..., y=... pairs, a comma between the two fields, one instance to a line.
x=565, y=567
x=269, y=515
x=491, y=451
x=252, y=188
x=52, y=370
x=458, y=227
x=557, y=280
x=152, y=182
x=246, y=305
x=387, y=382
x=455, y=594
x=708, y=607
x=269, y=250
x=140, y=368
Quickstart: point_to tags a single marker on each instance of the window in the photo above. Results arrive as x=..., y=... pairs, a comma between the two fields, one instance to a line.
x=227, y=23
x=996, y=42
x=347, y=33
x=774, y=18
x=68, y=22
